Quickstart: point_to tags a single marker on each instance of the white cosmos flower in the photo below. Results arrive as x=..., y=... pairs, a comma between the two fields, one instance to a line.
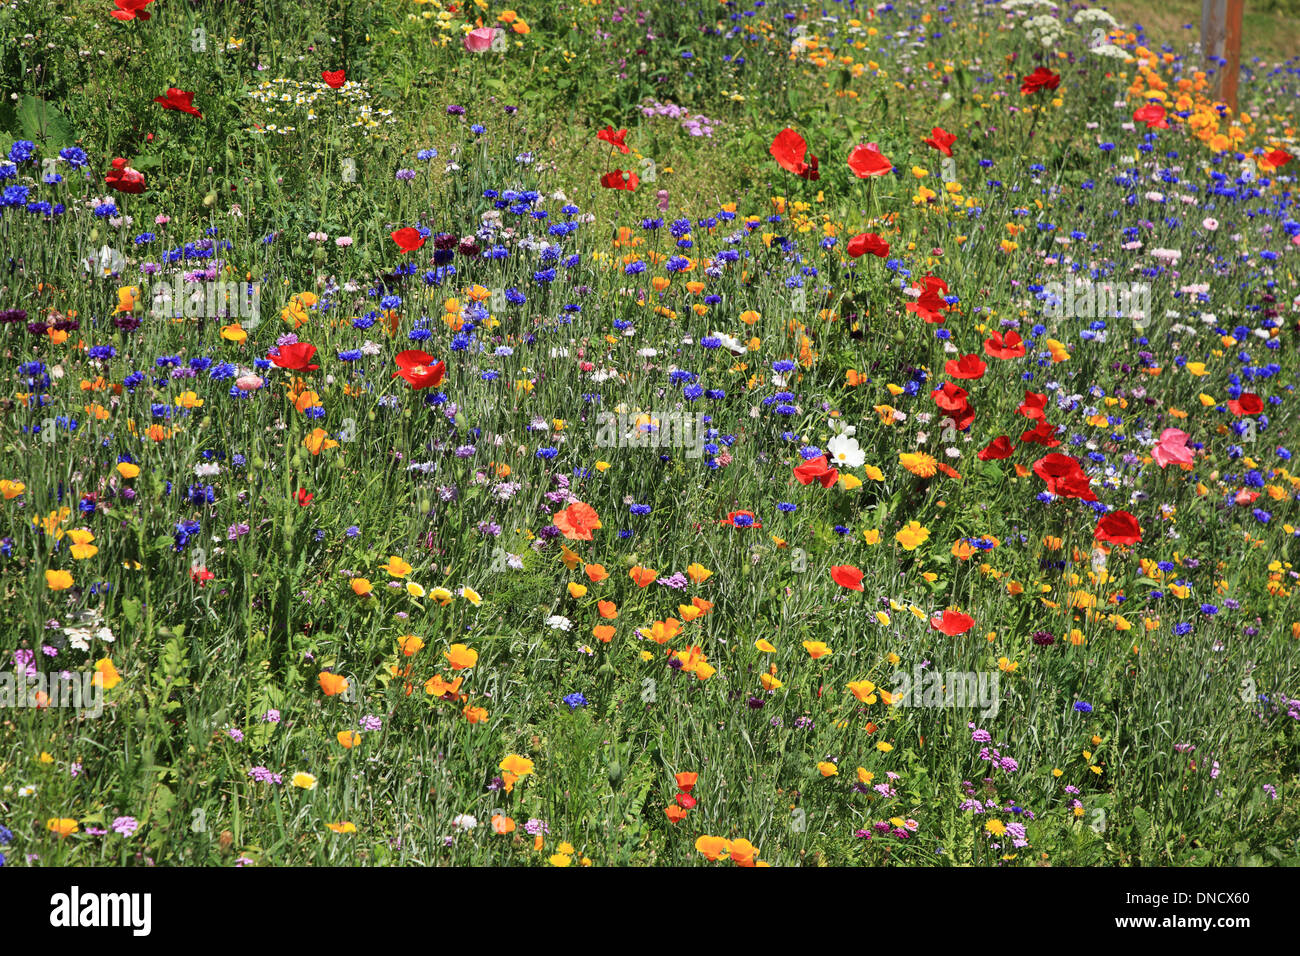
x=844, y=451
x=729, y=343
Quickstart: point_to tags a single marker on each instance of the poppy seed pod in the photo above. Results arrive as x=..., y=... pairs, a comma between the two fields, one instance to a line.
x=615, y=774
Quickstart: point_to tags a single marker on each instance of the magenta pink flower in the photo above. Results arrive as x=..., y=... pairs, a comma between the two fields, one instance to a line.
x=1172, y=448
x=480, y=40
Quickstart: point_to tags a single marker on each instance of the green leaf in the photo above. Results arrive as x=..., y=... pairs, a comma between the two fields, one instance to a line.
x=44, y=123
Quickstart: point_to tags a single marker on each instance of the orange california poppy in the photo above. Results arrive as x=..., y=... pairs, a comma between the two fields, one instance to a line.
x=644, y=577
x=332, y=684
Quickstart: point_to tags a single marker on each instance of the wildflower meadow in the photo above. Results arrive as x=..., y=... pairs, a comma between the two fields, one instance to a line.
x=644, y=433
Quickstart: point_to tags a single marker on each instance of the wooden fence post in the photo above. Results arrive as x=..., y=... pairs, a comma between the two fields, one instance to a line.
x=1221, y=39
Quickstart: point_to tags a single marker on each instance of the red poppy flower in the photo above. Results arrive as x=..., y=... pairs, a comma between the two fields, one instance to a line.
x=789, y=149
x=997, y=449
x=941, y=140
x=733, y=515
x=847, y=576
x=408, y=239
x=1153, y=114
x=617, y=180
x=962, y=417
x=1118, y=527
x=1064, y=477
x=334, y=78
x=1248, y=404
x=686, y=781
x=1044, y=434
x=178, y=100
x=131, y=10
x=1034, y=405
x=818, y=469
x=419, y=369
x=1041, y=78
x=685, y=801
x=1278, y=157
x=296, y=357
x=1007, y=346
x=303, y=497
x=124, y=179
x=931, y=304
x=866, y=160
x=953, y=623
x=968, y=366
x=949, y=397
x=577, y=521
x=201, y=576
x=615, y=139
x=868, y=242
